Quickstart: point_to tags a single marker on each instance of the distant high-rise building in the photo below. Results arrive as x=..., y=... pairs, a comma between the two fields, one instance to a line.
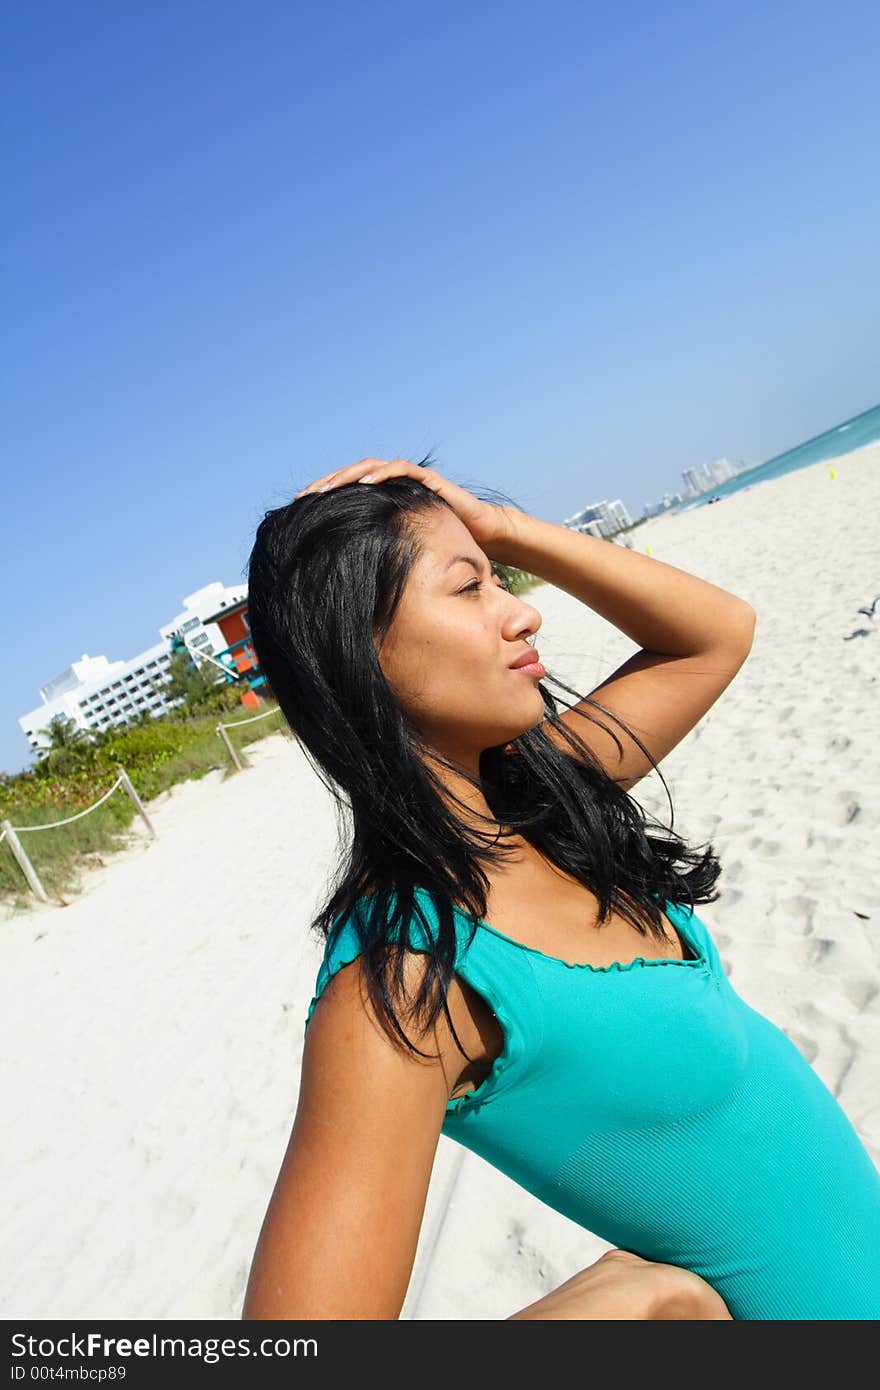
x=709, y=475
x=693, y=480
x=721, y=470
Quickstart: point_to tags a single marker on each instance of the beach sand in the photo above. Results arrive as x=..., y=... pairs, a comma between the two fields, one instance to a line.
x=152, y=1028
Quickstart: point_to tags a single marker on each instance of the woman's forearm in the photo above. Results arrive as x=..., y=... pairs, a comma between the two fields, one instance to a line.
x=660, y=607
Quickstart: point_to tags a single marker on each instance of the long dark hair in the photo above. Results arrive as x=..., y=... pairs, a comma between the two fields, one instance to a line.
x=325, y=577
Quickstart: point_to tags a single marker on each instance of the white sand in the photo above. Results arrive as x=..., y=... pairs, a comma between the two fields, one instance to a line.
x=152, y=1029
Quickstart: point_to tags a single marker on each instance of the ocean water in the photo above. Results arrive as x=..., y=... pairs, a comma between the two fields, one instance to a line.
x=842, y=439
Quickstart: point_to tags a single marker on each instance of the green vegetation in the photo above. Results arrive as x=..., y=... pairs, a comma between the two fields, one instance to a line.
x=519, y=582
x=79, y=766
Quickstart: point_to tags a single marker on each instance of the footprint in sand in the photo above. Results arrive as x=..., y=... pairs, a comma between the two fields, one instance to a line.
x=532, y=1258
x=862, y=993
x=845, y=808
x=731, y=896
x=733, y=827
x=815, y=952
x=767, y=849
x=829, y=843
x=801, y=908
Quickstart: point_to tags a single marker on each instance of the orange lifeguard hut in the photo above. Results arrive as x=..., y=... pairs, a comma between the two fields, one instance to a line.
x=238, y=656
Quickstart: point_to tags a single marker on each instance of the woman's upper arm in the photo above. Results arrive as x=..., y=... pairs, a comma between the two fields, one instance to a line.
x=340, y=1233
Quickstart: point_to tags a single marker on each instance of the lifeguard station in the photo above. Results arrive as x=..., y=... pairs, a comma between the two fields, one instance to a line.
x=238, y=658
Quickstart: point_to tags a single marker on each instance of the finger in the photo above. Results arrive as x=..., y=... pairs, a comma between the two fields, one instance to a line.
x=365, y=469
x=328, y=479
x=371, y=470
x=314, y=486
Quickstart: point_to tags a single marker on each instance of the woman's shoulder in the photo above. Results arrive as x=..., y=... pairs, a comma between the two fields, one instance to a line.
x=359, y=924
x=352, y=930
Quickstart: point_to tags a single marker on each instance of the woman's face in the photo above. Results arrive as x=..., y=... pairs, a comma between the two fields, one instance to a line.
x=455, y=635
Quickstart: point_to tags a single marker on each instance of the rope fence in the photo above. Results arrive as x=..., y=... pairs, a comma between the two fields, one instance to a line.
x=252, y=719
x=52, y=825
x=234, y=724
x=12, y=832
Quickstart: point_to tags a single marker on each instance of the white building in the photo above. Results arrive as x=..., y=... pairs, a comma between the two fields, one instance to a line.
x=601, y=519
x=617, y=515
x=96, y=693
x=189, y=625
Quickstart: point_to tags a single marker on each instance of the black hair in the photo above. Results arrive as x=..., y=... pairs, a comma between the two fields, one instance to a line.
x=325, y=577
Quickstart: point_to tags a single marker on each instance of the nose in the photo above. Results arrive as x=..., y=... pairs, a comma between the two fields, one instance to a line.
x=524, y=620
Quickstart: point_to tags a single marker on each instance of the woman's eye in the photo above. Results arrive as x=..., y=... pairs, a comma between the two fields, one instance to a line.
x=478, y=584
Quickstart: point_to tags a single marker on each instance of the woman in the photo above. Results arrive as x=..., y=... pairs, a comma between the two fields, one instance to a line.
x=511, y=958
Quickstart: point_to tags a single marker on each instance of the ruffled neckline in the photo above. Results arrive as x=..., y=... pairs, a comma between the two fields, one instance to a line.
x=697, y=961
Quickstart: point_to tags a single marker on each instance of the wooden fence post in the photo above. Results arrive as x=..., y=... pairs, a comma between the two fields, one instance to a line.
x=138, y=804
x=27, y=867
x=232, y=753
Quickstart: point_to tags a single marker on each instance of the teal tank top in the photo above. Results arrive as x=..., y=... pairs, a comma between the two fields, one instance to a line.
x=650, y=1104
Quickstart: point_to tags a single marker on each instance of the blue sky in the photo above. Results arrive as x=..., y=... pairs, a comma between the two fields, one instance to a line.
x=572, y=248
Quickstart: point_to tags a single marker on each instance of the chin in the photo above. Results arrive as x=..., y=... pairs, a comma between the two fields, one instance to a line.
x=524, y=729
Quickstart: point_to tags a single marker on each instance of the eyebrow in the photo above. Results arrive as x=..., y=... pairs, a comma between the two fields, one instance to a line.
x=463, y=559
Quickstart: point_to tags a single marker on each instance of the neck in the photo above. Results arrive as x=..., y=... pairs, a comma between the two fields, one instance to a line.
x=468, y=802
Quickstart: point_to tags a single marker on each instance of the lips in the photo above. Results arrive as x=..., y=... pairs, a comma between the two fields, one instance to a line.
x=528, y=658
